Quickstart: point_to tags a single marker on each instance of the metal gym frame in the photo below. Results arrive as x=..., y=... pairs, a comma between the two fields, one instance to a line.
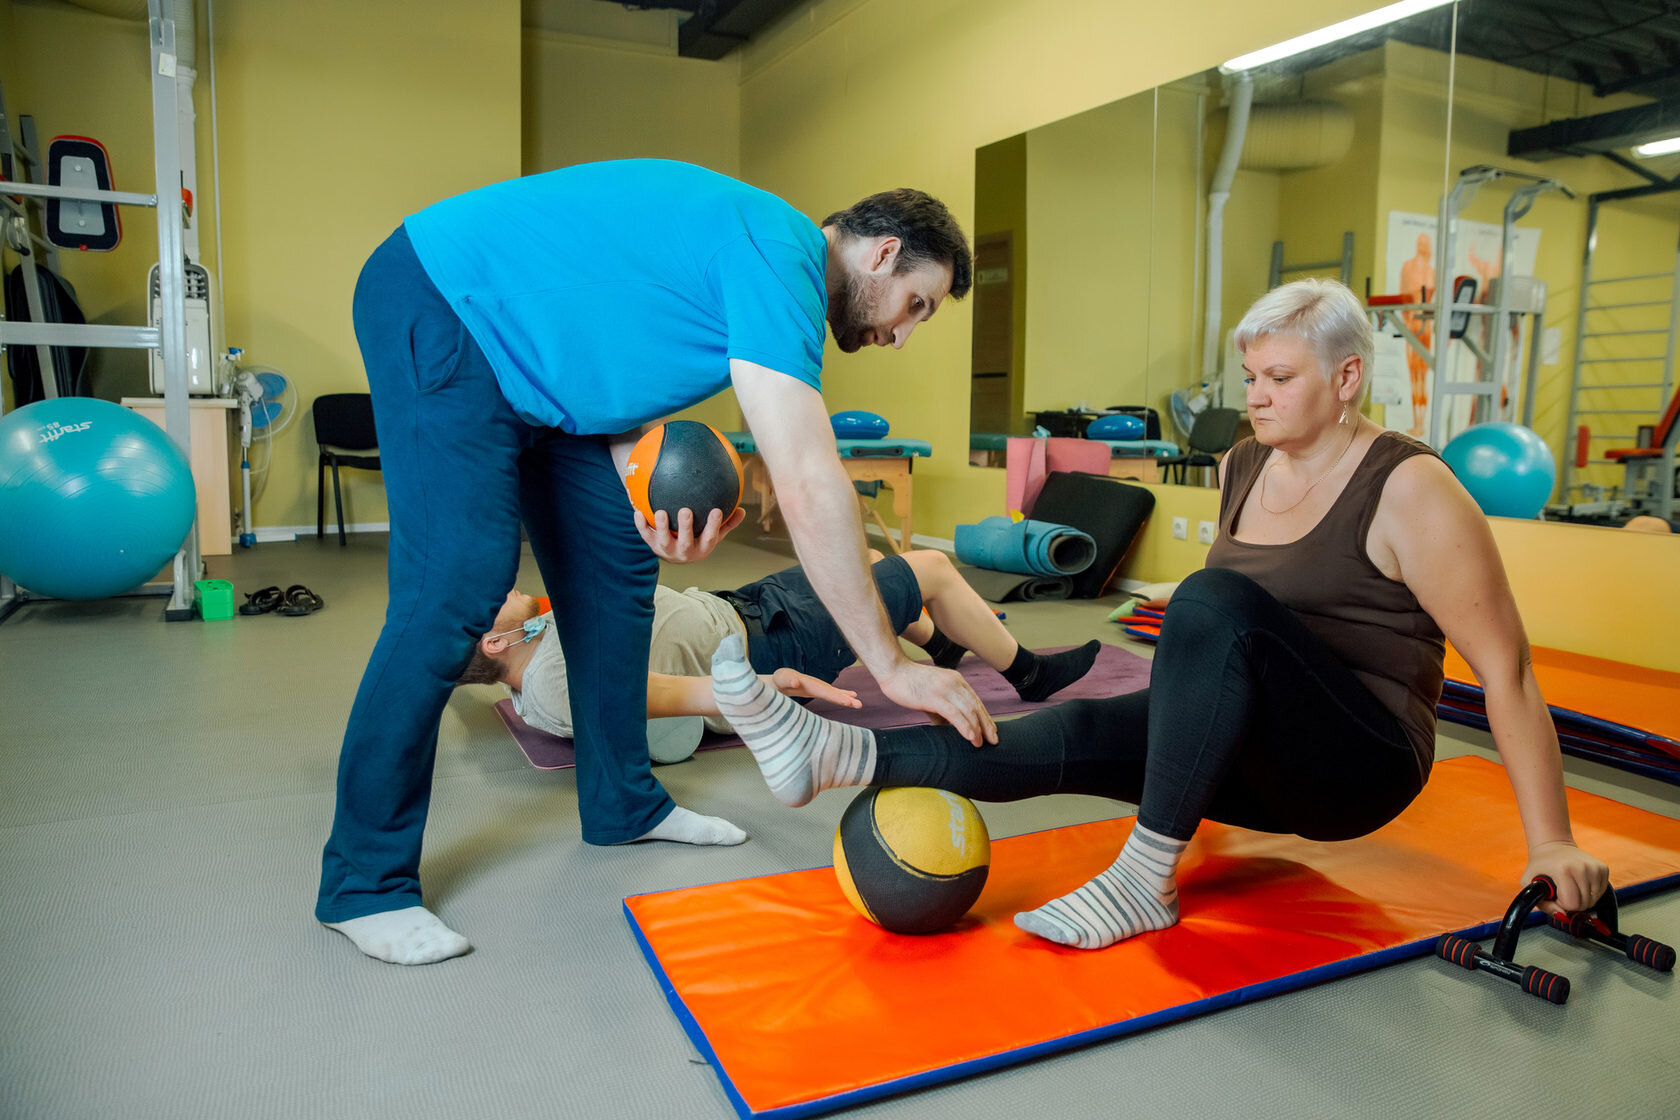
x=1343, y=264
x=1634, y=469
x=169, y=337
x=1441, y=307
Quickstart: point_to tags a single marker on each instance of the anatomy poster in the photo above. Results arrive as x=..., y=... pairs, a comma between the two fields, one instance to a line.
x=1402, y=379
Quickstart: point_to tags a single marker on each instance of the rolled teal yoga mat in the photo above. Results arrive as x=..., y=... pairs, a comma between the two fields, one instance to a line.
x=1028, y=548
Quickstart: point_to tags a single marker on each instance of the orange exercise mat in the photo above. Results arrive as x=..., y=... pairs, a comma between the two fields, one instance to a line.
x=1630, y=695
x=803, y=1007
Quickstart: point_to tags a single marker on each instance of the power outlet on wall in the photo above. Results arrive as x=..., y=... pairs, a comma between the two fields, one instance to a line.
x=1181, y=528
x=1205, y=531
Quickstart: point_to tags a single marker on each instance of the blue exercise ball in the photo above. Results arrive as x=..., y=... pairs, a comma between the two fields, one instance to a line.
x=94, y=498
x=855, y=423
x=1506, y=467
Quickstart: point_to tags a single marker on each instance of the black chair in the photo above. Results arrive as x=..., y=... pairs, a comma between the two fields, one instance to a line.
x=344, y=430
x=1212, y=434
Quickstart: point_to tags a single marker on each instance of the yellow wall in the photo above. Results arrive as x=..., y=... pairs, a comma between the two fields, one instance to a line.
x=590, y=99
x=1174, y=340
x=326, y=145
x=328, y=142
x=1317, y=205
x=1000, y=205
x=1602, y=592
x=1090, y=188
x=846, y=97
x=1158, y=558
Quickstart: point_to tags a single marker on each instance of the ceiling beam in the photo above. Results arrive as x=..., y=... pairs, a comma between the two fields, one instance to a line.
x=719, y=26
x=1636, y=79
x=1602, y=132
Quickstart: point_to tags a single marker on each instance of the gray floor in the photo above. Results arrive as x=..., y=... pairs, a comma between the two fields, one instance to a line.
x=168, y=788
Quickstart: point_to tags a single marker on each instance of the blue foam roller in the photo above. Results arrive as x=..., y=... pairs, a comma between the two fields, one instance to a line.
x=1115, y=427
x=1029, y=548
x=856, y=424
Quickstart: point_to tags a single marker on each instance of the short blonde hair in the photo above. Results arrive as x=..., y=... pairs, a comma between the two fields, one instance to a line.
x=1323, y=313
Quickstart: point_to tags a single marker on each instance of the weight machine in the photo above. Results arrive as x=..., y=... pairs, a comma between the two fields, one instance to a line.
x=1517, y=301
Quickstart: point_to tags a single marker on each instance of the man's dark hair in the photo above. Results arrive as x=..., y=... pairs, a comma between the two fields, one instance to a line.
x=921, y=223
x=482, y=669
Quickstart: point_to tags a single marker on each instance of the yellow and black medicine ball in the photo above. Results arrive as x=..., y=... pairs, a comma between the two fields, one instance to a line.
x=912, y=860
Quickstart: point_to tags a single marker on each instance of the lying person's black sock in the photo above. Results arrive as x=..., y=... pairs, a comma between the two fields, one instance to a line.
x=943, y=650
x=1039, y=676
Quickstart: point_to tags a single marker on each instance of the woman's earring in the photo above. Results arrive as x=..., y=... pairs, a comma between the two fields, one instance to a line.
x=1343, y=420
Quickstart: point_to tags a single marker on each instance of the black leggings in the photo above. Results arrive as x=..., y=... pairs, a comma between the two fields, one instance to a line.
x=1249, y=720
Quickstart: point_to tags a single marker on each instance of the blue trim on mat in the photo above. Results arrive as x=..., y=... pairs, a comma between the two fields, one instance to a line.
x=1648, y=764
x=1283, y=984
x=689, y=1026
x=1621, y=731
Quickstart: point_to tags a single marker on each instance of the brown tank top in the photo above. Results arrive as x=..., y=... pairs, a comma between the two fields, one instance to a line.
x=1374, y=624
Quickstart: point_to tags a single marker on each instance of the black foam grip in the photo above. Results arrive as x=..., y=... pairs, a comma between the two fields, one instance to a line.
x=1457, y=950
x=1575, y=925
x=1551, y=887
x=1549, y=986
x=1652, y=954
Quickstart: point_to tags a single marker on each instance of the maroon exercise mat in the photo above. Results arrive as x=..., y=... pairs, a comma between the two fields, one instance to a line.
x=1116, y=671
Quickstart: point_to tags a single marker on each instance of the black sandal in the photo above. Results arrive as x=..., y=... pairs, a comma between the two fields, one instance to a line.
x=261, y=602
x=301, y=601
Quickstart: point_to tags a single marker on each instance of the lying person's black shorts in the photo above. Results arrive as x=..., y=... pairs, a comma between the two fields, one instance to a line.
x=787, y=625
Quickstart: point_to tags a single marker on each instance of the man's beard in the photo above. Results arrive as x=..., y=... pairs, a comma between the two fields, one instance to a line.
x=852, y=311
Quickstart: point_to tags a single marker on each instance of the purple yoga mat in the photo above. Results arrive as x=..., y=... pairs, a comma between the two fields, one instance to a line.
x=1116, y=671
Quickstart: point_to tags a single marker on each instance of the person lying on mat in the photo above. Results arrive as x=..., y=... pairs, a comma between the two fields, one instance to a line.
x=1294, y=686
x=521, y=653
x=789, y=636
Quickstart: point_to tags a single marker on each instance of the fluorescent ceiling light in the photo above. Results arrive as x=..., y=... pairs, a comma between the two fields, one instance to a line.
x=1659, y=147
x=1384, y=15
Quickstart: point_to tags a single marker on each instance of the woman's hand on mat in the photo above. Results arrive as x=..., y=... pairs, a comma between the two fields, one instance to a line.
x=942, y=694
x=678, y=544
x=1580, y=878
x=788, y=682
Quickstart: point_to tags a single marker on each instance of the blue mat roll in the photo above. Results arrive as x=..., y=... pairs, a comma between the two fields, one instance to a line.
x=1029, y=548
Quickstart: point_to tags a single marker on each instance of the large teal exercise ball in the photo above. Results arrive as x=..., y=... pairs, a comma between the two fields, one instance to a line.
x=1506, y=467
x=94, y=498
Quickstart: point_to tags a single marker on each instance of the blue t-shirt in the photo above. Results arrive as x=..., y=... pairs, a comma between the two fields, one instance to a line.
x=608, y=294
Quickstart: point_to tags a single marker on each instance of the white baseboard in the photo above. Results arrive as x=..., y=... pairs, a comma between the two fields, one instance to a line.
x=919, y=539
x=269, y=533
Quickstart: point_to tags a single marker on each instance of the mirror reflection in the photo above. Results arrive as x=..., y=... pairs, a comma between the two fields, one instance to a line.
x=1119, y=247
x=1566, y=237
x=1149, y=225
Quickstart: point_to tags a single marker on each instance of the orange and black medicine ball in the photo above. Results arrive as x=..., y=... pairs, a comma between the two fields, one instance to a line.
x=912, y=860
x=684, y=465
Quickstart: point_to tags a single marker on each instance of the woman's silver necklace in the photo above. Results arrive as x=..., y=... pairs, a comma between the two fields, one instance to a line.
x=1315, y=482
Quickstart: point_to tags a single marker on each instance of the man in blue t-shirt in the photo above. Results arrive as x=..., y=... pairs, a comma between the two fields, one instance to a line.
x=516, y=338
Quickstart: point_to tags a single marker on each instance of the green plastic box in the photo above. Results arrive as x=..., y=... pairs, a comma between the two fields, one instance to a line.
x=215, y=599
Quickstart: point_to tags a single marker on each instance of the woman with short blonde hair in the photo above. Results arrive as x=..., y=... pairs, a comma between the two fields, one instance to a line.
x=1295, y=683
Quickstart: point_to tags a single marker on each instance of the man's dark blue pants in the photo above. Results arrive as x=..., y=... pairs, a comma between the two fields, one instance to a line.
x=462, y=471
